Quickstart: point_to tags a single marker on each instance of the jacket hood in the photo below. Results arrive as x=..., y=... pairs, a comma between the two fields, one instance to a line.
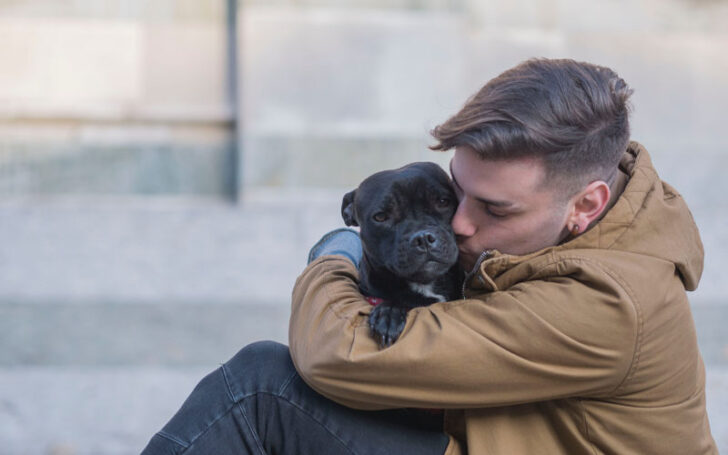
x=649, y=217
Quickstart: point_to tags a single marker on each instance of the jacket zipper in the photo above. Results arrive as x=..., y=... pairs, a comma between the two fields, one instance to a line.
x=483, y=256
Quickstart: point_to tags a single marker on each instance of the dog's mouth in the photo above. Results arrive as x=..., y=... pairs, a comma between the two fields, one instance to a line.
x=428, y=272
x=438, y=262
x=425, y=268
x=436, y=265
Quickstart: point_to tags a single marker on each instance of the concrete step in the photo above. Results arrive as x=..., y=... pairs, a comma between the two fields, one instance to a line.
x=111, y=312
x=102, y=378
x=163, y=250
x=106, y=334
x=114, y=411
x=171, y=251
x=88, y=410
x=717, y=403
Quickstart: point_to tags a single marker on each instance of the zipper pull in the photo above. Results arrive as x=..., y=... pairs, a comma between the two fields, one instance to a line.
x=483, y=256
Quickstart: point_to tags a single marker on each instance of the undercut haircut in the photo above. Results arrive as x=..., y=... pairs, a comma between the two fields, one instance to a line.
x=573, y=116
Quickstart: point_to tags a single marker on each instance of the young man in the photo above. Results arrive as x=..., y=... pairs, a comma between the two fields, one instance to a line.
x=574, y=334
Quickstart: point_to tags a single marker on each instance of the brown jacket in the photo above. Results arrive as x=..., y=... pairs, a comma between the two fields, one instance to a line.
x=588, y=347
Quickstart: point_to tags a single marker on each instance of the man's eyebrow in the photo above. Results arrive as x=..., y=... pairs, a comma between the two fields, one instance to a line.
x=480, y=199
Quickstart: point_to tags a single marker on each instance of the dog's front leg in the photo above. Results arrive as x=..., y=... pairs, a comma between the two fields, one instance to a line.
x=386, y=322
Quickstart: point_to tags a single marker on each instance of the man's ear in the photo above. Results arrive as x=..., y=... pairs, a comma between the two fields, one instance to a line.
x=588, y=205
x=347, y=209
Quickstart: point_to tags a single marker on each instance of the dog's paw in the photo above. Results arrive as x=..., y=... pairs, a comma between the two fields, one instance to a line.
x=386, y=323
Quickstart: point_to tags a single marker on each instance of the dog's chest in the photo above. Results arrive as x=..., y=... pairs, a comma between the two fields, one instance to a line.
x=427, y=290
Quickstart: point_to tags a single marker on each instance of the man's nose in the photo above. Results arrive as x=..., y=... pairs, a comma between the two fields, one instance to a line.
x=461, y=223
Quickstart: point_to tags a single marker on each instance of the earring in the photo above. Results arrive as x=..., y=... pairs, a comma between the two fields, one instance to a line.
x=575, y=230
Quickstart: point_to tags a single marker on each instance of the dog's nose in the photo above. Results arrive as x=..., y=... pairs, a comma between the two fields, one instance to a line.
x=423, y=240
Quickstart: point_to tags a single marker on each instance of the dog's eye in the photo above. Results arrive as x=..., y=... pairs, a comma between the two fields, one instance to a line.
x=380, y=217
x=444, y=202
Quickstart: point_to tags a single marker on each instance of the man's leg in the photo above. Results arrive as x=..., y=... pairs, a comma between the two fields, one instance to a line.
x=257, y=404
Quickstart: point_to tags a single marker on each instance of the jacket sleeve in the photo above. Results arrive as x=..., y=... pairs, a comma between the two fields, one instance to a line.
x=539, y=340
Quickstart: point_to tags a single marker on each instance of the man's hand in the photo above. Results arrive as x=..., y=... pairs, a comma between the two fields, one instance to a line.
x=344, y=242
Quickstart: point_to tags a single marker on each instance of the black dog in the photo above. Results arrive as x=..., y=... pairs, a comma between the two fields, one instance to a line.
x=409, y=249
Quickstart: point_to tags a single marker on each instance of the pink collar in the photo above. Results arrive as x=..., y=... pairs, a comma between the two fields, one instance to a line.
x=374, y=301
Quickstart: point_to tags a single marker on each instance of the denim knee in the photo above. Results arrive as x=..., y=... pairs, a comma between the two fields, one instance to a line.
x=263, y=366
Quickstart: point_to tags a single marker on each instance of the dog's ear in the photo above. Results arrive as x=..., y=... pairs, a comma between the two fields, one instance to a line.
x=347, y=209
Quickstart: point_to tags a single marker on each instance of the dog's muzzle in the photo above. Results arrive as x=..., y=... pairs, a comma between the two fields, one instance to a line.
x=424, y=255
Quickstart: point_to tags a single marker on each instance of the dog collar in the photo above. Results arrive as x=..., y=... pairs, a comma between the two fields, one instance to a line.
x=373, y=301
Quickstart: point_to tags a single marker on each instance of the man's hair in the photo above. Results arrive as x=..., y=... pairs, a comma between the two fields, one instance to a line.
x=571, y=115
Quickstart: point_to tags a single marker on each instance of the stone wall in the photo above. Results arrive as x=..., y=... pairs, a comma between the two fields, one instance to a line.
x=328, y=91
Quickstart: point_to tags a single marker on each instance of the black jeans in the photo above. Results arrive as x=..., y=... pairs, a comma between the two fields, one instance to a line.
x=256, y=403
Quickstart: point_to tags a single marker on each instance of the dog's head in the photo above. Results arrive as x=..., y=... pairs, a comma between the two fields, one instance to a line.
x=404, y=215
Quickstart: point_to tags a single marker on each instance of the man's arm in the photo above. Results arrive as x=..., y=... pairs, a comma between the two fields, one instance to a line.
x=533, y=342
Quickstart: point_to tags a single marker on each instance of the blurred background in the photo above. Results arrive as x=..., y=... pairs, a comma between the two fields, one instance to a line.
x=165, y=166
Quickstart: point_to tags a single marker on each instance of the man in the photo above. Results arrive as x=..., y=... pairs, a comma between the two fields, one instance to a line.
x=574, y=334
